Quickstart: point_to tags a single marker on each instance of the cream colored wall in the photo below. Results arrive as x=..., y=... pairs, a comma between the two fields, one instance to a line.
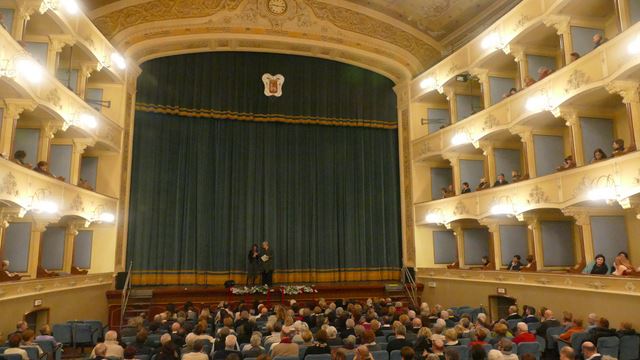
x=424, y=247
x=89, y=303
x=615, y=307
x=109, y=171
x=104, y=249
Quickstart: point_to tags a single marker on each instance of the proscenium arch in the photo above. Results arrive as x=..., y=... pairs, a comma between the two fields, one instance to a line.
x=158, y=48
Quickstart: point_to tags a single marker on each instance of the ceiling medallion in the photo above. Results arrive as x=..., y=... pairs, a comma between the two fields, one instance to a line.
x=277, y=7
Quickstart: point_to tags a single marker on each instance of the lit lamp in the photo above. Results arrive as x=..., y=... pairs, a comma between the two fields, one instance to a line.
x=503, y=206
x=429, y=83
x=604, y=188
x=102, y=216
x=118, y=61
x=634, y=46
x=39, y=203
x=492, y=41
x=461, y=137
x=435, y=216
x=538, y=103
x=25, y=67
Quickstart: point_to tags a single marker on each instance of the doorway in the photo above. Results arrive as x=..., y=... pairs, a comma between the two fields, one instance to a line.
x=499, y=306
x=36, y=318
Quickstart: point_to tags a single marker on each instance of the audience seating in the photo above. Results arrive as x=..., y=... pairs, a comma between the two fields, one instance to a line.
x=487, y=348
x=316, y=357
x=577, y=339
x=551, y=342
x=609, y=345
x=464, y=341
x=10, y=357
x=63, y=334
x=301, y=350
x=533, y=327
x=50, y=348
x=82, y=335
x=513, y=323
x=128, y=340
x=529, y=347
x=383, y=346
x=380, y=355
x=286, y=358
x=32, y=351
x=462, y=350
x=381, y=339
x=395, y=355
x=629, y=347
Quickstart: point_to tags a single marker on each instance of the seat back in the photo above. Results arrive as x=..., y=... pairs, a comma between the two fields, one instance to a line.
x=82, y=333
x=383, y=346
x=380, y=339
x=513, y=323
x=462, y=350
x=609, y=345
x=48, y=347
x=380, y=355
x=577, y=339
x=128, y=340
x=153, y=340
x=531, y=348
x=62, y=333
x=556, y=330
x=395, y=355
x=464, y=341
x=97, y=330
x=286, y=358
x=317, y=357
x=629, y=347
x=542, y=342
x=10, y=357
x=301, y=351
x=533, y=326
x=487, y=348
x=32, y=351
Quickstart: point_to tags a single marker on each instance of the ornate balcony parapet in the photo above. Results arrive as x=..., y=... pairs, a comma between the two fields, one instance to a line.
x=24, y=187
x=601, y=68
x=51, y=94
x=24, y=288
x=600, y=284
x=617, y=179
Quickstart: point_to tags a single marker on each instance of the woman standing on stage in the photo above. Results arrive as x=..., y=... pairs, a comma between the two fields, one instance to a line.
x=254, y=265
x=266, y=258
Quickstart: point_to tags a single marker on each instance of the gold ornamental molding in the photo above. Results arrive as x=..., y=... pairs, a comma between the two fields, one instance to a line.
x=153, y=28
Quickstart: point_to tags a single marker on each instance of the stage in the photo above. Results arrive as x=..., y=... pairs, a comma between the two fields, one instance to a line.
x=154, y=300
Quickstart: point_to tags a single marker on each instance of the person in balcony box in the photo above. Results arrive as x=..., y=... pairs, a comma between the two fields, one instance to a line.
x=19, y=158
x=42, y=167
x=598, y=155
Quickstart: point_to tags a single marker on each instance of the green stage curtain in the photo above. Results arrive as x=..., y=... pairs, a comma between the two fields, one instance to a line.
x=203, y=189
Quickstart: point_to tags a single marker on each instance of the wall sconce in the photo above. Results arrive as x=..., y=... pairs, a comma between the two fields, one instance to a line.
x=435, y=216
x=492, y=41
x=39, y=203
x=24, y=66
x=429, y=83
x=70, y=6
x=503, y=206
x=118, y=61
x=634, y=46
x=102, y=216
x=81, y=120
x=604, y=188
x=461, y=137
x=540, y=102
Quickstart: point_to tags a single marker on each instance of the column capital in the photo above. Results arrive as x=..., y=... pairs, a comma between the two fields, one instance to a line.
x=15, y=107
x=517, y=51
x=628, y=90
x=50, y=128
x=58, y=42
x=26, y=9
x=562, y=23
x=40, y=222
x=581, y=215
x=87, y=68
x=480, y=73
x=493, y=225
x=569, y=114
x=10, y=214
x=79, y=145
x=524, y=132
x=451, y=156
x=74, y=226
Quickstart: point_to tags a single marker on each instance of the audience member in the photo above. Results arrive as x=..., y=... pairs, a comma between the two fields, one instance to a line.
x=450, y=354
x=286, y=347
x=321, y=346
x=113, y=347
x=601, y=330
x=483, y=185
x=549, y=322
x=515, y=176
x=480, y=335
x=528, y=81
x=139, y=345
x=407, y=353
x=197, y=352
x=592, y=321
x=574, y=56
x=523, y=334
x=513, y=313
x=598, y=40
x=576, y=327
x=543, y=72
x=230, y=347
x=567, y=164
x=466, y=188
x=500, y=331
x=100, y=351
x=598, y=155
x=28, y=340
x=362, y=353
x=450, y=338
x=129, y=353
x=10, y=276
x=501, y=180
x=515, y=264
x=19, y=158
x=486, y=263
x=622, y=266
x=529, y=314
x=600, y=267
x=626, y=329
x=253, y=348
x=14, y=346
x=85, y=184
x=589, y=351
x=400, y=341
x=506, y=347
x=45, y=334
x=531, y=264
x=511, y=92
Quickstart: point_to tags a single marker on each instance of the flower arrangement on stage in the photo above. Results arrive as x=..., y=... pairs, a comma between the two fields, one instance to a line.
x=298, y=289
x=244, y=290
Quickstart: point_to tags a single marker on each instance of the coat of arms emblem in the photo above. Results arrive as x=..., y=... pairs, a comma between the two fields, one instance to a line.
x=273, y=84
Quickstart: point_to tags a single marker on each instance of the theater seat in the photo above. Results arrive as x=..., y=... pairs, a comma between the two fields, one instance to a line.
x=609, y=345
x=531, y=348
x=380, y=355
x=630, y=347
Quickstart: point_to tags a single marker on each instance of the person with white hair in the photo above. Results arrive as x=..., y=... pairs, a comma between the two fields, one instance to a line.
x=332, y=336
x=230, y=347
x=523, y=334
x=494, y=355
x=506, y=347
x=198, y=351
x=253, y=348
x=349, y=329
x=286, y=346
x=114, y=349
x=592, y=321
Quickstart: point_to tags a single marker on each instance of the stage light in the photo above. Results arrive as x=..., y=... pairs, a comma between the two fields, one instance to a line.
x=29, y=69
x=118, y=61
x=428, y=83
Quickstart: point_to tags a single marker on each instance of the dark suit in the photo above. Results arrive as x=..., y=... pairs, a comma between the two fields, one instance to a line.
x=267, y=266
x=465, y=191
x=542, y=330
x=514, y=267
x=398, y=344
x=498, y=183
x=514, y=317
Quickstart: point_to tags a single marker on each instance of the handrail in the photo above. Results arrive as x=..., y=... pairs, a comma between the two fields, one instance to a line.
x=125, y=295
x=412, y=290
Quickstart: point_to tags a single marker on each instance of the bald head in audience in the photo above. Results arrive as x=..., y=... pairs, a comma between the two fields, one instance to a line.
x=567, y=353
x=588, y=349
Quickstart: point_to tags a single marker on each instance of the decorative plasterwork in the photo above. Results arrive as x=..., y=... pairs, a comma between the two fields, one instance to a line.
x=577, y=79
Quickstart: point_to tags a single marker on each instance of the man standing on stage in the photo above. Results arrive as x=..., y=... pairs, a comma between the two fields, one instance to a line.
x=266, y=258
